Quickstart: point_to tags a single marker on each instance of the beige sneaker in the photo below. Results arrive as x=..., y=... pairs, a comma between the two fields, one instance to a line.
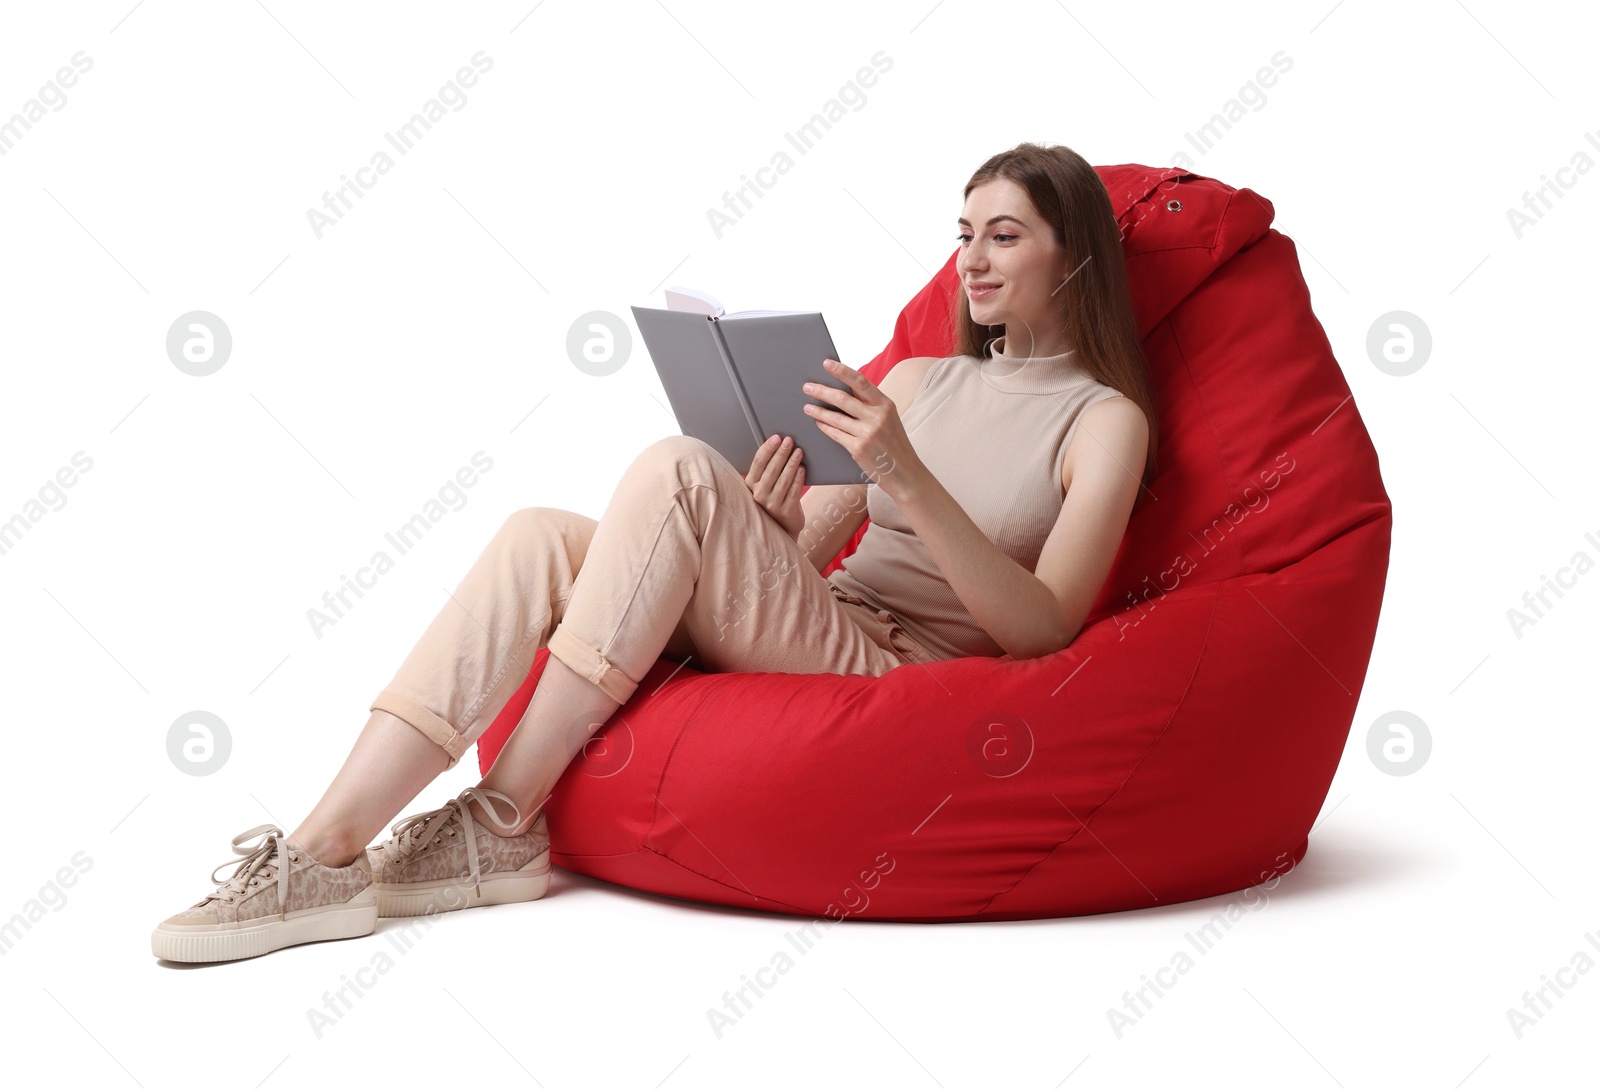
x=443, y=860
x=278, y=896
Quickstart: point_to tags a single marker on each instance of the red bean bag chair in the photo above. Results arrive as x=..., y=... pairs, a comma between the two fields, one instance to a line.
x=1179, y=748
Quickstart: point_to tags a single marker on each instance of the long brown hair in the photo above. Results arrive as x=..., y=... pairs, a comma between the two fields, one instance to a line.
x=1096, y=310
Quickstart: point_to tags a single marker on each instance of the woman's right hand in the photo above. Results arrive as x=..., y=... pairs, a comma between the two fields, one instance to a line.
x=776, y=478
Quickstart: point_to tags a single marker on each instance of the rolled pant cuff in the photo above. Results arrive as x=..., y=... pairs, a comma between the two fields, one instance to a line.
x=591, y=665
x=426, y=722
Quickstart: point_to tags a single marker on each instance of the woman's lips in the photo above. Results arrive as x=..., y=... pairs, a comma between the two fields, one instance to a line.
x=981, y=292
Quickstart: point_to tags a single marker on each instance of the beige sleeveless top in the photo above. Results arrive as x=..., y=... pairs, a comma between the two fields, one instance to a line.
x=994, y=433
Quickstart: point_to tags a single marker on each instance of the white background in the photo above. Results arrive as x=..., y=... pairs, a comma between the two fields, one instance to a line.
x=431, y=322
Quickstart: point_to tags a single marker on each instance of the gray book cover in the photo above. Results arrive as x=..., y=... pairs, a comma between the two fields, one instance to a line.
x=734, y=379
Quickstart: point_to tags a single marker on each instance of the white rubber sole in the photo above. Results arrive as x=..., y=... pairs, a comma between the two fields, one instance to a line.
x=193, y=944
x=399, y=900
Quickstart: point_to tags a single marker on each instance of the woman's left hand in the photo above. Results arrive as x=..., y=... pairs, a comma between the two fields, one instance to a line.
x=865, y=421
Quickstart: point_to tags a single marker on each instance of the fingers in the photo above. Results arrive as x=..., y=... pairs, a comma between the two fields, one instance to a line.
x=838, y=420
x=785, y=480
x=774, y=458
x=791, y=465
x=758, y=464
x=827, y=393
x=834, y=433
x=796, y=486
x=861, y=391
x=763, y=458
x=860, y=383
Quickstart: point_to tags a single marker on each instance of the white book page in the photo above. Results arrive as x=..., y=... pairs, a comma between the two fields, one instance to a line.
x=688, y=300
x=762, y=313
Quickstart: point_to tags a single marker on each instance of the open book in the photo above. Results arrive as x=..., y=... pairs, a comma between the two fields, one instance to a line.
x=734, y=379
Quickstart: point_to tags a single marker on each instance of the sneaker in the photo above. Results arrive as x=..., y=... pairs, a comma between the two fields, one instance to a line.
x=443, y=860
x=278, y=896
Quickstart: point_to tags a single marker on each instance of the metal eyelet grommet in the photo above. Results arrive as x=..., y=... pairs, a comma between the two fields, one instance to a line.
x=1174, y=205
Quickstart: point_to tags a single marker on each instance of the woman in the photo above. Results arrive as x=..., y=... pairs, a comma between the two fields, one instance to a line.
x=992, y=534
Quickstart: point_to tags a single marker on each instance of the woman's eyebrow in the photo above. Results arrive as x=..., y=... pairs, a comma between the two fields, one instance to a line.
x=993, y=220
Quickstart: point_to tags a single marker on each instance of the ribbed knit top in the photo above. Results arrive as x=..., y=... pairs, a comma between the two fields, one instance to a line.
x=994, y=433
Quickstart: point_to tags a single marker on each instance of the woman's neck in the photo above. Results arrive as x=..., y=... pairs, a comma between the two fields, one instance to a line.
x=1018, y=372
x=1024, y=347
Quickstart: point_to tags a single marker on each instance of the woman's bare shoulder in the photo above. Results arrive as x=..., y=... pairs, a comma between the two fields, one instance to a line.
x=1112, y=423
x=905, y=379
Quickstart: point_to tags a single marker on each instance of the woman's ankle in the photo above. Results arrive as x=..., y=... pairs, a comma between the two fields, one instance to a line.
x=327, y=852
x=490, y=823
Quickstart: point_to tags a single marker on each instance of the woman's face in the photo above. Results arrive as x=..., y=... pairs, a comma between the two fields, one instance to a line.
x=1011, y=267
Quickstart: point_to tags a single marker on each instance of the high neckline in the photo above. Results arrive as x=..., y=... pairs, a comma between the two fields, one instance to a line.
x=1031, y=374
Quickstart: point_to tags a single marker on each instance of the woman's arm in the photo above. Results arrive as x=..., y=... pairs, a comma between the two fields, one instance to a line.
x=1005, y=598
x=1031, y=614
x=835, y=511
x=1028, y=613
x=833, y=514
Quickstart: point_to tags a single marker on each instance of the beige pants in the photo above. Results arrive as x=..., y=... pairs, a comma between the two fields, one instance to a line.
x=684, y=563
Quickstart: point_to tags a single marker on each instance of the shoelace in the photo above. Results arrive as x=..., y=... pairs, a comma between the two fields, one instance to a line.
x=419, y=829
x=272, y=852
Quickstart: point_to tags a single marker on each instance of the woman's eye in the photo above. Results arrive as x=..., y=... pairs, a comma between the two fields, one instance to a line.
x=998, y=237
